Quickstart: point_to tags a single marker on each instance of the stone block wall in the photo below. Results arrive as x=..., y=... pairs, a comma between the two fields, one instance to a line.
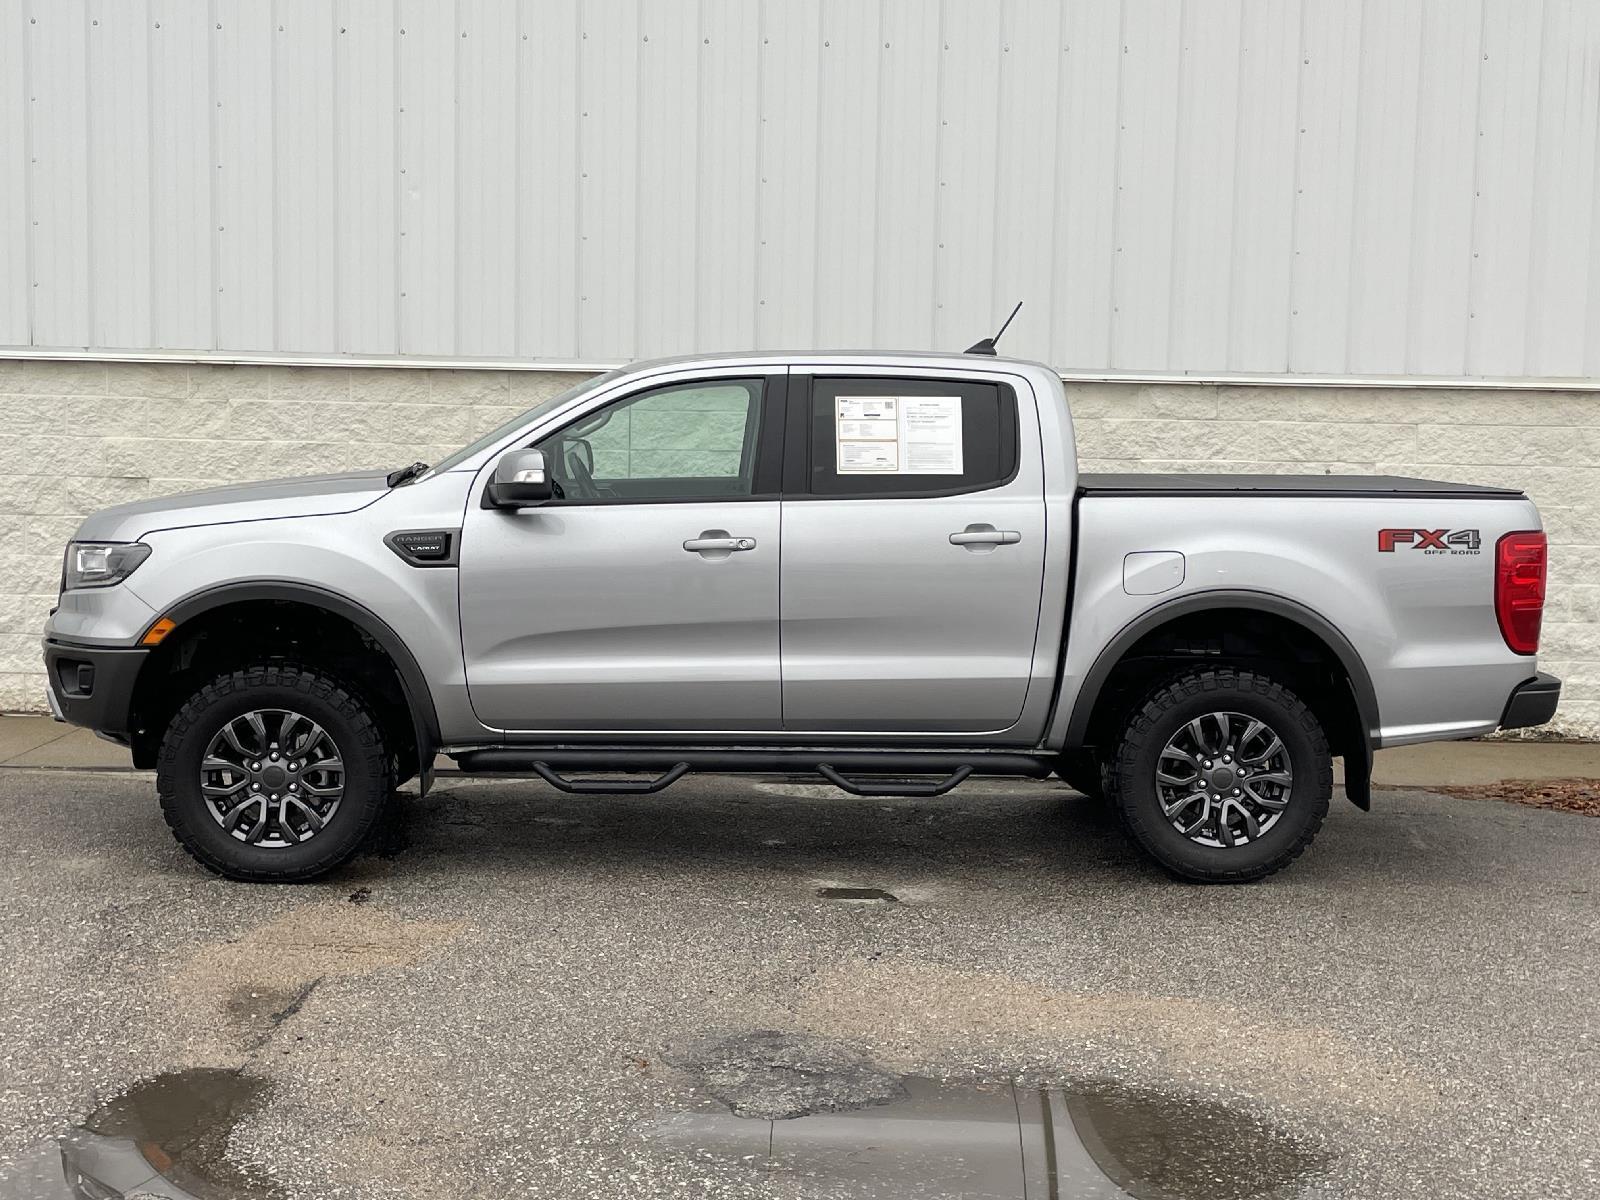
x=77, y=436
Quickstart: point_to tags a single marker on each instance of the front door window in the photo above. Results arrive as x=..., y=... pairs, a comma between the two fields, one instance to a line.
x=691, y=441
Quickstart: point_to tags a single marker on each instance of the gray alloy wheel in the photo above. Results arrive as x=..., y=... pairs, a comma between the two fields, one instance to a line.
x=1224, y=779
x=272, y=777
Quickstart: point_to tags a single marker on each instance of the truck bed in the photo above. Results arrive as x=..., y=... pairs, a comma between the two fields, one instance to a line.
x=1362, y=486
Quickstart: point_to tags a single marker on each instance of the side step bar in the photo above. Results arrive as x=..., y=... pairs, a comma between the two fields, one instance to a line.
x=861, y=773
x=611, y=787
x=893, y=787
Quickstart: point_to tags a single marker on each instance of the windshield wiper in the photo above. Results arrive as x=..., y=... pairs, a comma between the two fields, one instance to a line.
x=406, y=474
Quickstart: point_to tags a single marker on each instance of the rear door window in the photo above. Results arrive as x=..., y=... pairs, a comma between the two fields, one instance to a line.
x=877, y=436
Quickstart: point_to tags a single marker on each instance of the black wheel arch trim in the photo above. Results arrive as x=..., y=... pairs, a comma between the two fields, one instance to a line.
x=1362, y=691
x=419, y=698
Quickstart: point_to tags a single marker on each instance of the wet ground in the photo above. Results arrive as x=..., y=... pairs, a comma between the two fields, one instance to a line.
x=543, y=995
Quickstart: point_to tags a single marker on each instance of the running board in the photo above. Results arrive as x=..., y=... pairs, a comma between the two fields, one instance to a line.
x=610, y=787
x=848, y=764
x=894, y=787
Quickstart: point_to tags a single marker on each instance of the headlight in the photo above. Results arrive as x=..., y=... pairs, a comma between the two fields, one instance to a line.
x=101, y=564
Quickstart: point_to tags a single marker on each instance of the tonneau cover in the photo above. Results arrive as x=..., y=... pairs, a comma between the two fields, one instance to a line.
x=1361, y=486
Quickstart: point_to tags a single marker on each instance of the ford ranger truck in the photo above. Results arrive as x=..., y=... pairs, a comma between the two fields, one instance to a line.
x=882, y=568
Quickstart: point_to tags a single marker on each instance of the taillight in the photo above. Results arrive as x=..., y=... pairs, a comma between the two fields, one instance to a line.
x=1520, y=560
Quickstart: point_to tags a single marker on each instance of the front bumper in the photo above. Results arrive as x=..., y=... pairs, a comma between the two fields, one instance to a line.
x=92, y=686
x=1532, y=703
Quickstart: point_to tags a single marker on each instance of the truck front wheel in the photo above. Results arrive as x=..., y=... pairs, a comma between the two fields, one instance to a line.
x=272, y=774
x=1222, y=775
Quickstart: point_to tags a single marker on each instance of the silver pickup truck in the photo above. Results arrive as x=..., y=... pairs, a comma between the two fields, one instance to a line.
x=881, y=568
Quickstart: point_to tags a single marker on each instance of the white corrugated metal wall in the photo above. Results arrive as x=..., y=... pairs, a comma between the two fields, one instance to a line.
x=1328, y=186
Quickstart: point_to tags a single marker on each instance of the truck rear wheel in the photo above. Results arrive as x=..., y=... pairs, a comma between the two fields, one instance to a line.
x=1222, y=775
x=272, y=774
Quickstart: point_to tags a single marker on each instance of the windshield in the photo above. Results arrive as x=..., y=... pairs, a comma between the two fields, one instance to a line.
x=521, y=419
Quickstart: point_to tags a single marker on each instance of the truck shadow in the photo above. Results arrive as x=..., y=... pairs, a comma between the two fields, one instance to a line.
x=994, y=833
x=737, y=822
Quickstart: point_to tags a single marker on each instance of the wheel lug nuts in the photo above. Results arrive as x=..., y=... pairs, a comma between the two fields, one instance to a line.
x=274, y=796
x=255, y=766
x=274, y=756
x=1235, y=791
x=255, y=787
x=292, y=787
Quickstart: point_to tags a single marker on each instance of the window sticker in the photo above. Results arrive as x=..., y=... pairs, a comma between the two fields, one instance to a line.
x=898, y=435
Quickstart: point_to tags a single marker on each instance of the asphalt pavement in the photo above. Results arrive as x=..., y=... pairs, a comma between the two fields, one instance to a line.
x=524, y=989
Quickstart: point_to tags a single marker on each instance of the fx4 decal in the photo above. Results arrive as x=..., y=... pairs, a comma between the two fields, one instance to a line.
x=1430, y=541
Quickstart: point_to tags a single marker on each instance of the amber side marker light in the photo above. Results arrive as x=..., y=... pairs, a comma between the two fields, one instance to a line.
x=158, y=631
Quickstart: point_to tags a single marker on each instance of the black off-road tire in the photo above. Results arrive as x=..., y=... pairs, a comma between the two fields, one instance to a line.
x=1132, y=782
x=347, y=720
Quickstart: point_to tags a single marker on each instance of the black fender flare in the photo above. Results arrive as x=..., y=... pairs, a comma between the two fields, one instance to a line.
x=414, y=685
x=1358, y=765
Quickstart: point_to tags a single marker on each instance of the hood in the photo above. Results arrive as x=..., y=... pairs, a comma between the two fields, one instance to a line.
x=304, y=496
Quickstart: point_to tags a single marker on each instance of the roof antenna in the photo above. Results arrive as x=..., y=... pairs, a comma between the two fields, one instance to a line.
x=987, y=345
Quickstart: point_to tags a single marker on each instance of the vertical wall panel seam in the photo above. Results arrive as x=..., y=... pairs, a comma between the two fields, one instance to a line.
x=277, y=181
x=1474, y=270
x=816, y=181
x=1054, y=236
x=696, y=299
x=151, y=183
x=1416, y=215
x=874, y=263
x=90, y=333
x=1351, y=289
x=1173, y=249
x=759, y=213
x=29, y=182
x=214, y=188
x=458, y=258
x=1292, y=320
x=579, y=259
x=340, y=338
x=398, y=104
x=1117, y=206
x=1230, y=321
x=997, y=182
x=1535, y=225
x=938, y=169
x=639, y=251
x=877, y=177
x=518, y=102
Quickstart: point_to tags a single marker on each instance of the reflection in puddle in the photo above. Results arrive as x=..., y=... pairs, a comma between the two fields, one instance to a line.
x=165, y=1137
x=1156, y=1146
x=1101, y=1141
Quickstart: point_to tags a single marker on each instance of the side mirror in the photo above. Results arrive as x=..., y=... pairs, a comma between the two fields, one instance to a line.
x=520, y=481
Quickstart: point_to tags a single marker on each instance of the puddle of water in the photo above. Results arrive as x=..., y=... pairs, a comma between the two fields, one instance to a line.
x=857, y=893
x=791, y=1104
x=164, y=1137
x=1156, y=1146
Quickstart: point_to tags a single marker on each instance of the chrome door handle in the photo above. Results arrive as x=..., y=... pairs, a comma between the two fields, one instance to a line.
x=714, y=541
x=985, y=535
